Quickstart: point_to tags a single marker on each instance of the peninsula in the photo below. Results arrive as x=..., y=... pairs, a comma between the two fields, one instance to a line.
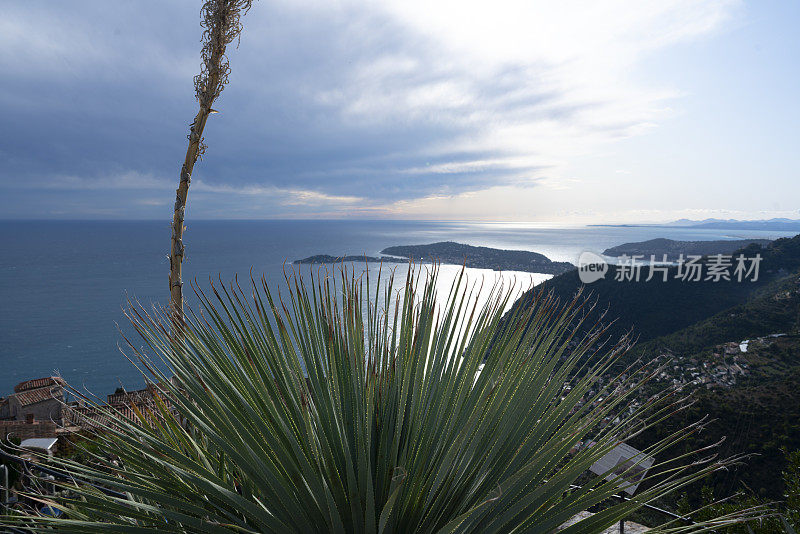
x=457, y=254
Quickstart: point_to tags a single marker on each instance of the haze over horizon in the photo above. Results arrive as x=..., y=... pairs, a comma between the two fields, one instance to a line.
x=516, y=111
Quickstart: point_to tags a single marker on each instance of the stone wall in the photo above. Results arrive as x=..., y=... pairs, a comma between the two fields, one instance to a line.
x=22, y=430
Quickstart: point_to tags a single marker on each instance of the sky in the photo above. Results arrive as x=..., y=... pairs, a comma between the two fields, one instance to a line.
x=568, y=112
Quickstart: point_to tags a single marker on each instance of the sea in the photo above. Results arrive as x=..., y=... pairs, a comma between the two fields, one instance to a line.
x=64, y=284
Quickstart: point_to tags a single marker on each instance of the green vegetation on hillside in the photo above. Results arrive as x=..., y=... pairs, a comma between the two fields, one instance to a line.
x=773, y=308
x=657, y=308
x=673, y=249
x=760, y=417
x=697, y=325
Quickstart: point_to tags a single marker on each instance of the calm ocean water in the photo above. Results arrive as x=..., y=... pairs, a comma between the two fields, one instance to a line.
x=64, y=283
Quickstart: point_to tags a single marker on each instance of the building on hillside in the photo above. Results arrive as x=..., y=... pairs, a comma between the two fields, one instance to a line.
x=139, y=396
x=139, y=406
x=38, y=399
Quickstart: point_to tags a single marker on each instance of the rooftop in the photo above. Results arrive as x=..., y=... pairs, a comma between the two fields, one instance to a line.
x=32, y=396
x=39, y=383
x=44, y=444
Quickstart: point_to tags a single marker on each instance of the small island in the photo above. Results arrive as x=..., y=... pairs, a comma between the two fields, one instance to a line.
x=327, y=258
x=457, y=254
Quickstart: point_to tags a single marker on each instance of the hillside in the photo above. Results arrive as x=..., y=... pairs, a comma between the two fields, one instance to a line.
x=743, y=366
x=773, y=308
x=673, y=249
x=751, y=396
x=657, y=308
x=758, y=415
x=734, y=346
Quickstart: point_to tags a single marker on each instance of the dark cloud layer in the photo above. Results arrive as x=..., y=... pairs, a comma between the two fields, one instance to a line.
x=330, y=108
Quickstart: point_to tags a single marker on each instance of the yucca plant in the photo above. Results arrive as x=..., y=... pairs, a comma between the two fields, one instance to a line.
x=341, y=406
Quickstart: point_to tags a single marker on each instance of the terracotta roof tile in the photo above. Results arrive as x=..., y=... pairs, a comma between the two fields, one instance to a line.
x=93, y=417
x=39, y=383
x=32, y=396
x=138, y=396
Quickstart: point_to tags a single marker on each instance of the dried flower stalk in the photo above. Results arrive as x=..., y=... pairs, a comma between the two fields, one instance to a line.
x=221, y=21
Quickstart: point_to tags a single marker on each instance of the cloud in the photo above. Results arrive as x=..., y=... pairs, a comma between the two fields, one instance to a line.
x=351, y=105
x=285, y=197
x=125, y=180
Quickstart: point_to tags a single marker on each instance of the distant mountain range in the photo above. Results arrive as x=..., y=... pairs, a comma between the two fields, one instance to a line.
x=777, y=224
